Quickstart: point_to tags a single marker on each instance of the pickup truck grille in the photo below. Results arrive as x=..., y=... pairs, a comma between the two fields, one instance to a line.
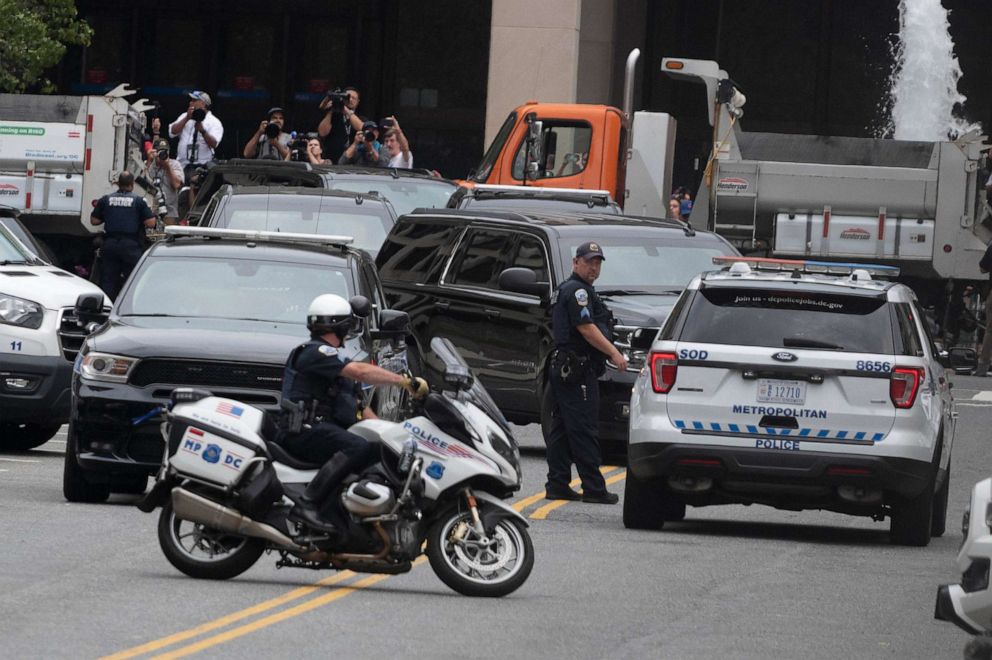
x=208, y=374
x=71, y=336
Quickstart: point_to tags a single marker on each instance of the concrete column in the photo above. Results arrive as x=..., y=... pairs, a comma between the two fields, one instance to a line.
x=554, y=51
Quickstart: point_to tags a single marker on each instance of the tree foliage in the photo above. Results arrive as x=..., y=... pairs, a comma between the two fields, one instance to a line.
x=34, y=35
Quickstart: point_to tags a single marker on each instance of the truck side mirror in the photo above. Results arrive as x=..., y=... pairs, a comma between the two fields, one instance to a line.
x=392, y=323
x=89, y=310
x=523, y=280
x=534, y=149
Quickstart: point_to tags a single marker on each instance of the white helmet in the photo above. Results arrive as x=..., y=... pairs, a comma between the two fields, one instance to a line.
x=330, y=313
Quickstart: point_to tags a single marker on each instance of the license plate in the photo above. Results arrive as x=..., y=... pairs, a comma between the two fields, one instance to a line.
x=773, y=390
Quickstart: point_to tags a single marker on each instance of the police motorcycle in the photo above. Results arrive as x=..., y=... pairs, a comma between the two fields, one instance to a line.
x=226, y=490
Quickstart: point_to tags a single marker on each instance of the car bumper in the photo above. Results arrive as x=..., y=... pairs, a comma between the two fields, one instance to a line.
x=47, y=397
x=107, y=435
x=949, y=597
x=749, y=474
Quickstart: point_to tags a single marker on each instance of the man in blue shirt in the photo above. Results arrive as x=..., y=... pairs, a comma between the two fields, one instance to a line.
x=124, y=216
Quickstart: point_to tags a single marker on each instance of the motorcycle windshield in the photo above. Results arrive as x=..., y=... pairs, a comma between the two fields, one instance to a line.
x=476, y=394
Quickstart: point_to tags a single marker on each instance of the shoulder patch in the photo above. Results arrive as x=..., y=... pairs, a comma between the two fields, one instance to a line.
x=582, y=297
x=329, y=351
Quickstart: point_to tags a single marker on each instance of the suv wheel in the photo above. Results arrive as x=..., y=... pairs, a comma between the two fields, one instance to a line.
x=26, y=436
x=647, y=505
x=938, y=520
x=75, y=486
x=912, y=519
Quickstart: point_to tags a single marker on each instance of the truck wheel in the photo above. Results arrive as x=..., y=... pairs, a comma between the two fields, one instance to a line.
x=938, y=520
x=75, y=486
x=642, y=504
x=26, y=436
x=912, y=519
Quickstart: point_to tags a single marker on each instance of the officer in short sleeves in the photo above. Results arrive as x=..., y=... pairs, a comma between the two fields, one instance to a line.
x=124, y=216
x=580, y=324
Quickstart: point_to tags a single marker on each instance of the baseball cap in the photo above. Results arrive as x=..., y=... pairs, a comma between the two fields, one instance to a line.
x=161, y=143
x=272, y=111
x=201, y=96
x=370, y=126
x=590, y=250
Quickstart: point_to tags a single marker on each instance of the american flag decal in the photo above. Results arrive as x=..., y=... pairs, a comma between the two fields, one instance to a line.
x=230, y=409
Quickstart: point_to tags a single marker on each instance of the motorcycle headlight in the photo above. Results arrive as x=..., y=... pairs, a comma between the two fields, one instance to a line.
x=106, y=367
x=17, y=311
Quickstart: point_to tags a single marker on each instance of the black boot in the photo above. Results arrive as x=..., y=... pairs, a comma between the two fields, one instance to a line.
x=307, y=509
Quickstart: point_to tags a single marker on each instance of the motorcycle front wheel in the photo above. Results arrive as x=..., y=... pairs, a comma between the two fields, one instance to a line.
x=473, y=566
x=205, y=553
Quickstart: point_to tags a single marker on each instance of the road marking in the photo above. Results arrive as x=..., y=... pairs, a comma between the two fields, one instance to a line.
x=527, y=501
x=230, y=618
x=542, y=512
x=984, y=395
x=18, y=460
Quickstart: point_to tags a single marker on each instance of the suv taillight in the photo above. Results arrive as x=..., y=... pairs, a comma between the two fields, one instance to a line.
x=904, y=383
x=664, y=367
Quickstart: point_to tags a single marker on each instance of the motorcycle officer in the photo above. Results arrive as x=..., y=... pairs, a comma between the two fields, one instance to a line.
x=328, y=385
x=582, y=328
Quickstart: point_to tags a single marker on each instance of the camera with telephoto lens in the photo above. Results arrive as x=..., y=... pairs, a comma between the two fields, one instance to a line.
x=338, y=98
x=298, y=145
x=272, y=130
x=199, y=114
x=163, y=154
x=369, y=136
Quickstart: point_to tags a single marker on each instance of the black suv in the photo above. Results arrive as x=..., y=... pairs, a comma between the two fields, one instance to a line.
x=366, y=217
x=533, y=198
x=484, y=280
x=213, y=308
x=405, y=189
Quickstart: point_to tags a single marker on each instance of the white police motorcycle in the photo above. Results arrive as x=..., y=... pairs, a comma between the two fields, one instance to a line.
x=226, y=490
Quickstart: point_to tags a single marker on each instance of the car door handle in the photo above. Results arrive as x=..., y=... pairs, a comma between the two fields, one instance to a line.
x=492, y=313
x=442, y=305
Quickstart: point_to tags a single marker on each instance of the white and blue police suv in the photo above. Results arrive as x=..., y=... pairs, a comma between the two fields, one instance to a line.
x=799, y=385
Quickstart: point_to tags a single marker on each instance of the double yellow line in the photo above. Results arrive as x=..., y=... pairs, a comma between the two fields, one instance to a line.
x=540, y=513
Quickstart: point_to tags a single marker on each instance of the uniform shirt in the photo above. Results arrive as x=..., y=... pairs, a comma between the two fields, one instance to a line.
x=123, y=214
x=313, y=373
x=192, y=147
x=578, y=304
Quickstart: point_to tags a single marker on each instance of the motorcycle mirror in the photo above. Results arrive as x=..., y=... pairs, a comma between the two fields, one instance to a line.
x=360, y=306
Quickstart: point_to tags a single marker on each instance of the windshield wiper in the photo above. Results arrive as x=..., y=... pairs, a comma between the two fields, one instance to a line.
x=14, y=262
x=803, y=342
x=626, y=292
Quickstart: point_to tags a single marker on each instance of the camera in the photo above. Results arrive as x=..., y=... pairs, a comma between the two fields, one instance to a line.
x=369, y=136
x=338, y=98
x=386, y=123
x=163, y=154
x=199, y=114
x=272, y=130
x=298, y=145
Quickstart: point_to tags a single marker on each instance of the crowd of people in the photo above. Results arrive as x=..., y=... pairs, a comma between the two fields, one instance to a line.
x=343, y=137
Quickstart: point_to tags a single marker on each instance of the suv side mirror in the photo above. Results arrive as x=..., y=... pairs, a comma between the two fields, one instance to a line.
x=392, y=323
x=961, y=360
x=360, y=306
x=89, y=309
x=523, y=280
x=642, y=338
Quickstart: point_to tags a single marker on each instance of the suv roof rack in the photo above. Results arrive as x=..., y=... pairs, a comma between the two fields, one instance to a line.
x=174, y=231
x=805, y=266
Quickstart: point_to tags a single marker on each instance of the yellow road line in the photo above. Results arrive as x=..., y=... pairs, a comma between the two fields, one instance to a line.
x=542, y=512
x=230, y=618
x=527, y=501
x=264, y=622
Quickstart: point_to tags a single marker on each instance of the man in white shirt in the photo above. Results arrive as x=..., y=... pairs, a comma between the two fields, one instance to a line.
x=199, y=132
x=397, y=147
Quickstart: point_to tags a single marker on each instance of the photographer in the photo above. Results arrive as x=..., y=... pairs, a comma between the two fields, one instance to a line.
x=365, y=149
x=315, y=154
x=339, y=122
x=199, y=132
x=168, y=175
x=397, y=147
x=270, y=141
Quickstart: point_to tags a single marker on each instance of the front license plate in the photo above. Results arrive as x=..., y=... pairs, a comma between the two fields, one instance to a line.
x=773, y=390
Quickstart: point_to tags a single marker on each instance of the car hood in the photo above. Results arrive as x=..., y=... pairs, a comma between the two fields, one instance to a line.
x=48, y=286
x=641, y=310
x=218, y=340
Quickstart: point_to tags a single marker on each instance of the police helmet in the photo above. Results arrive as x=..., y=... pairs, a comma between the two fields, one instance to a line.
x=330, y=313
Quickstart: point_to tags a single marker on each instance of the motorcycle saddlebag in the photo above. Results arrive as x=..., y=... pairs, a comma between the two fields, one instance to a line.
x=262, y=491
x=215, y=440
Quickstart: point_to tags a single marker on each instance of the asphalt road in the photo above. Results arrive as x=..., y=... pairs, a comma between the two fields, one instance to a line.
x=729, y=582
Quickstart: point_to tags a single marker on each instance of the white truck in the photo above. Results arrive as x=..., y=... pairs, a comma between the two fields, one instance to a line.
x=60, y=154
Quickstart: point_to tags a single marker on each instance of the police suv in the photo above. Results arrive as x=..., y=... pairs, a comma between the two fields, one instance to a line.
x=796, y=384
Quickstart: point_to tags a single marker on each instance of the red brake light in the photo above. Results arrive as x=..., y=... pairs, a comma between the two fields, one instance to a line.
x=664, y=367
x=904, y=383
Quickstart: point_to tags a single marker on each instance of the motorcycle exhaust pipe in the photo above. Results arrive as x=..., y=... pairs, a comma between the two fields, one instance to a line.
x=198, y=509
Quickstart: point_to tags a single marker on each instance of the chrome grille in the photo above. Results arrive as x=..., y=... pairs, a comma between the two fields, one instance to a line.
x=206, y=373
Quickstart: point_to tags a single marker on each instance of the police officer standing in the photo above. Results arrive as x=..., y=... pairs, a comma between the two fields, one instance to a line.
x=581, y=325
x=124, y=216
x=326, y=386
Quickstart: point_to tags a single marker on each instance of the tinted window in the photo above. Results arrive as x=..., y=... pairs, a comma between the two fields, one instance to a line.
x=565, y=150
x=414, y=251
x=231, y=289
x=530, y=254
x=908, y=336
x=648, y=263
x=368, y=223
x=925, y=322
x=480, y=258
x=672, y=322
x=789, y=319
x=404, y=193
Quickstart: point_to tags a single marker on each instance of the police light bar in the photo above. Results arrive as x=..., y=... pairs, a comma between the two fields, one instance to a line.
x=258, y=235
x=806, y=266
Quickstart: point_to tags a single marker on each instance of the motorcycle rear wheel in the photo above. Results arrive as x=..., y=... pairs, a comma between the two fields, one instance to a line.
x=472, y=569
x=204, y=553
